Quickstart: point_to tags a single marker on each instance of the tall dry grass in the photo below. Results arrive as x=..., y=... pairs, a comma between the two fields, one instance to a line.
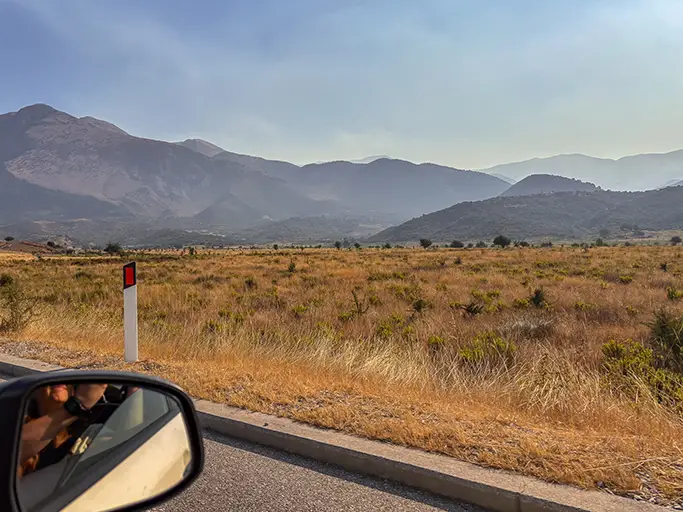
x=379, y=343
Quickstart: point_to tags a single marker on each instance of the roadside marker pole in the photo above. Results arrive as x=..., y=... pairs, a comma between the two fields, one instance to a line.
x=130, y=313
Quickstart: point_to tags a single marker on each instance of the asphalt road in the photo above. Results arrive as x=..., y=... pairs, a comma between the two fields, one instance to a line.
x=243, y=476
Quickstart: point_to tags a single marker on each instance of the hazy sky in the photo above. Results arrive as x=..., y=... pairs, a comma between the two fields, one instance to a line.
x=469, y=83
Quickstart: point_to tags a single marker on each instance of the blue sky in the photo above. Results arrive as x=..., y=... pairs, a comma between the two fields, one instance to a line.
x=468, y=83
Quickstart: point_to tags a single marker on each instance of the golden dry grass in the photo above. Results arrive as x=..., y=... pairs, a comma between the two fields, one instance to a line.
x=248, y=329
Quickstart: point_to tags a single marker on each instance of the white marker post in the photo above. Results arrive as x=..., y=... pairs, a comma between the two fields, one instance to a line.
x=130, y=313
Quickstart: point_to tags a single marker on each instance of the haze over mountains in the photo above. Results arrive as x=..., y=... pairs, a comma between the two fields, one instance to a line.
x=637, y=172
x=67, y=161
x=90, y=180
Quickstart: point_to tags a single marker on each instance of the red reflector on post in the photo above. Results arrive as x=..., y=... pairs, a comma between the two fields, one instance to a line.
x=129, y=275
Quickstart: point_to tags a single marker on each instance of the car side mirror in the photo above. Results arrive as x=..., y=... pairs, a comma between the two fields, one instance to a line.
x=95, y=441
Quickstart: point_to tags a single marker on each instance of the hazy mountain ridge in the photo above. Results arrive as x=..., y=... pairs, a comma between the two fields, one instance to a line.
x=547, y=184
x=558, y=215
x=636, y=172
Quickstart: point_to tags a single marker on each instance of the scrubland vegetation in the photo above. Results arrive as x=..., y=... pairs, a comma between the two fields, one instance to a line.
x=562, y=363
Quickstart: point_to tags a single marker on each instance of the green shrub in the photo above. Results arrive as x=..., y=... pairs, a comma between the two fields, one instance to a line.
x=666, y=333
x=538, y=299
x=16, y=308
x=673, y=294
x=625, y=279
x=630, y=364
x=488, y=349
x=421, y=305
x=521, y=303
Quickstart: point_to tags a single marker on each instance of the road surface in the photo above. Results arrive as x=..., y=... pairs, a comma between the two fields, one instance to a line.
x=244, y=476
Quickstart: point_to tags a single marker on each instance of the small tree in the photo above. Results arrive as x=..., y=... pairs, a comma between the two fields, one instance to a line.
x=51, y=244
x=481, y=244
x=675, y=240
x=338, y=244
x=276, y=247
x=425, y=243
x=356, y=245
x=501, y=241
x=457, y=244
x=113, y=248
x=600, y=242
x=9, y=238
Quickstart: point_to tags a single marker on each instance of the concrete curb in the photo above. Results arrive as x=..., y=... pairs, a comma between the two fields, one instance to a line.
x=495, y=490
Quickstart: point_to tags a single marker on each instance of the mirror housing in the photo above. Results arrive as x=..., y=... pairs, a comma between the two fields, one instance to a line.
x=14, y=400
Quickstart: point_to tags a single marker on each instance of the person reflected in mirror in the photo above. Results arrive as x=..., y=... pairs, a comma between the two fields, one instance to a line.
x=49, y=432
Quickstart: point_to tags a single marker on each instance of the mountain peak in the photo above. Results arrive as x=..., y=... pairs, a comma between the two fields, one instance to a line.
x=202, y=147
x=36, y=112
x=547, y=184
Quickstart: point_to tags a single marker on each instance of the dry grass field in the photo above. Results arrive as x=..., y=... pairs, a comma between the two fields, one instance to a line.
x=451, y=351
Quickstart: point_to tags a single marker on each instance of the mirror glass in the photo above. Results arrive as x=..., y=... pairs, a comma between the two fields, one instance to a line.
x=96, y=447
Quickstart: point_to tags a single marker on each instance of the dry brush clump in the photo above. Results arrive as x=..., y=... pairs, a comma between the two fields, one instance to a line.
x=522, y=359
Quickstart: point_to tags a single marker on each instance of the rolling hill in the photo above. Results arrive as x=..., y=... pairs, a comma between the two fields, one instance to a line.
x=547, y=184
x=559, y=215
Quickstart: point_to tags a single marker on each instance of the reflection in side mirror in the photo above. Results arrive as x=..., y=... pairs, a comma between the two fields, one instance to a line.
x=94, y=447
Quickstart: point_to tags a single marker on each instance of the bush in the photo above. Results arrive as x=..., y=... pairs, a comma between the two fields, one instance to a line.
x=386, y=246
x=292, y=267
x=420, y=305
x=675, y=240
x=425, y=243
x=6, y=280
x=599, y=242
x=666, y=332
x=113, y=248
x=9, y=238
x=457, y=244
x=250, y=283
x=538, y=298
x=356, y=245
x=501, y=241
x=488, y=349
x=630, y=364
x=673, y=294
x=16, y=308
x=481, y=245
x=276, y=247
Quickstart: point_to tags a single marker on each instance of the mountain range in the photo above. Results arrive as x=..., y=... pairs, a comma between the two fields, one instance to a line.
x=61, y=167
x=90, y=180
x=637, y=172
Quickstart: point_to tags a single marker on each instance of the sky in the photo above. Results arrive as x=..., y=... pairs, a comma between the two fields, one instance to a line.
x=466, y=83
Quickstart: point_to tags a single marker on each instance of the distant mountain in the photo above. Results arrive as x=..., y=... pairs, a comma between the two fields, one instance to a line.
x=638, y=172
x=503, y=177
x=395, y=187
x=201, y=146
x=146, y=178
x=559, y=215
x=673, y=183
x=369, y=159
x=391, y=190
x=547, y=184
